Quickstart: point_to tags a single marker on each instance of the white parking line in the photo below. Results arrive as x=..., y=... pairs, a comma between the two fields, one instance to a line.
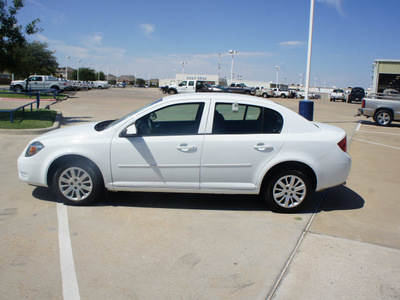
x=387, y=133
x=379, y=144
x=69, y=282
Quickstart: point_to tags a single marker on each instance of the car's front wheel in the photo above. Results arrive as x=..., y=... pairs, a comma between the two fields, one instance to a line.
x=288, y=191
x=383, y=117
x=77, y=183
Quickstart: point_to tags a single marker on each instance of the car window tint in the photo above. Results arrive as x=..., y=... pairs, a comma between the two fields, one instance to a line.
x=247, y=119
x=181, y=119
x=191, y=83
x=273, y=121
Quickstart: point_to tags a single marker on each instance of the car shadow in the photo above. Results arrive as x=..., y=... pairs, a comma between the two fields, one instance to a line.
x=371, y=123
x=338, y=198
x=65, y=121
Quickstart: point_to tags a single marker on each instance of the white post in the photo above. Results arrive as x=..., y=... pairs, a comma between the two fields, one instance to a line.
x=232, y=52
x=310, y=34
x=277, y=77
x=77, y=72
x=66, y=67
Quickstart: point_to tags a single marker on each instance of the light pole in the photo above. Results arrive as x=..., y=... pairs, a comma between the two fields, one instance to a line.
x=183, y=68
x=99, y=74
x=219, y=65
x=77, y=73
x=301, y=79
x=66, y=67
x=232, y=52
x=315, y=82
x=306, y=107
x=277, y=76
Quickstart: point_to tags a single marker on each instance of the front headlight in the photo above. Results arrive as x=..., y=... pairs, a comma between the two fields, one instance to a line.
x=34, y=148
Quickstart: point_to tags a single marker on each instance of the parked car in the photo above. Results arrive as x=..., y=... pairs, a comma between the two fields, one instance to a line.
x=391, y=92
x=241, y=88
x=264, y=92
x=383, y=109
x=337, y=94
x=199, y=143
x=40, y=83
x=356, y=94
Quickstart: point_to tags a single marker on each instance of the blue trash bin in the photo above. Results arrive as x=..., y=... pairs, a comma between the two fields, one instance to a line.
x=306, y=109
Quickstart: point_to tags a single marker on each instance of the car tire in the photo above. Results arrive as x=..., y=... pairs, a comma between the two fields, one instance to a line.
x=288, y=191
x=18, y=89
x=77, y=183
x=283, y=96
x=265, y=95
x=171, y=92
x=383, y=117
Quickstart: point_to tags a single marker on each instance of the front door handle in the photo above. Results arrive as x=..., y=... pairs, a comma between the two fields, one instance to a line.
x=263, y=147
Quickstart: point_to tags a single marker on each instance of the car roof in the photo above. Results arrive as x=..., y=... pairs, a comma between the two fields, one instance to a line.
x=218, y=96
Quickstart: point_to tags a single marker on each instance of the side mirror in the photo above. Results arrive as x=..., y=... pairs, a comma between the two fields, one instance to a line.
x=130, y=131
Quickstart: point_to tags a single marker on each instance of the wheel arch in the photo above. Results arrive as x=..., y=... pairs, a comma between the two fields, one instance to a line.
x=293, y=165
x=68, y=158
x=389, y=109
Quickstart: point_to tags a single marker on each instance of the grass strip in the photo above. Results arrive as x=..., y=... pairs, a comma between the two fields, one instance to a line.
x=38, y=118
x=33, y=97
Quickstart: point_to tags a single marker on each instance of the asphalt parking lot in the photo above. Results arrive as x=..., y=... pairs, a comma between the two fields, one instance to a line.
x=344, y=245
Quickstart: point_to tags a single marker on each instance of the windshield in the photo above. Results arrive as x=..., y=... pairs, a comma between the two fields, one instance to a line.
x=115, y=122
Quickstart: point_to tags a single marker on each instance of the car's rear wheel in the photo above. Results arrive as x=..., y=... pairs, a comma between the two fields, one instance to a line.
x=283, y=96
x=288, y=191
x=77, y=183
x=383, y=117
x=265, y=95
x=172, y=92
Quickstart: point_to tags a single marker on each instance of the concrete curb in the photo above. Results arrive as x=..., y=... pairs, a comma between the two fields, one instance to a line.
x=56, y=125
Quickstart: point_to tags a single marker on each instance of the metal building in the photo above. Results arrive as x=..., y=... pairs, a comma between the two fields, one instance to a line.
x=386, y=75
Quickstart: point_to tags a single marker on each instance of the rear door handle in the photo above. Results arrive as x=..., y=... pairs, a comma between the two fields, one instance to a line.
x=186, y=147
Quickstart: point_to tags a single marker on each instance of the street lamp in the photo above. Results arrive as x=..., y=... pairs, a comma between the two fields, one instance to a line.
x=315, y=82
x=277, y=76
x=232, y=52
x=306, y=107
x=66, y=67
x=77, y=73
x=301, y=79
x=99, y=73
x=219, y=65
x=183, y=67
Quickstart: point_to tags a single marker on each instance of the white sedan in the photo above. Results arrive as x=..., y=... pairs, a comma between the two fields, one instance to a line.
x=197, y=143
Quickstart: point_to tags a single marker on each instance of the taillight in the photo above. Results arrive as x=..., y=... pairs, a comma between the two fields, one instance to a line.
x=343, y=144
x=363, y=103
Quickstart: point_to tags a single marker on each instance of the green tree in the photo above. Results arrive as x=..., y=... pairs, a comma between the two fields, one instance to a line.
x=102, y=76
x=85, y=74
x=140, y=81
x=12, y=34
x=33, y=58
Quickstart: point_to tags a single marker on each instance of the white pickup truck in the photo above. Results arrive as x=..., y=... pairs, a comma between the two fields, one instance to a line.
x=283, y=93
x=186, y=86
x=384, y=109
x=337, y=94
x=40, y=83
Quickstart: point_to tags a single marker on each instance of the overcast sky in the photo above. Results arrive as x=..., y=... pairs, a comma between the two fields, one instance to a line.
x=151, y=38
